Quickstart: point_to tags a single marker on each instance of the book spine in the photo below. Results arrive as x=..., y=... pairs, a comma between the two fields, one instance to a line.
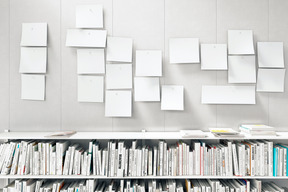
x=253, y=152
x=236, y=166
x=270, y=158
x=155, y=154
x=130, y=165
x=275, y=158
x=197, y=158
x=226, y=156
x=160, y=169
x=126, y=162
x=280, y=162
x=164, y=158
x=150, y=162
x=112, y=163
x=202, y=159
x=146, y=163
x=47, y=158
x=286, y=159
x=262, y=160
x=15, y=160
x=266, y=162
x=180, y=157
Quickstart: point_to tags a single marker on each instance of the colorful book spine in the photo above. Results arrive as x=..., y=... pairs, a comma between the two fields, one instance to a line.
x=275, y=161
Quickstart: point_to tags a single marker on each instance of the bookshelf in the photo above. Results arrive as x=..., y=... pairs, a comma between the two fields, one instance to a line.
x=147, y=137
x=130, y=135
x=140, y=177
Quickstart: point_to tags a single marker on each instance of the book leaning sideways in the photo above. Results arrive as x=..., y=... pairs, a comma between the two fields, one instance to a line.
x=257, y=129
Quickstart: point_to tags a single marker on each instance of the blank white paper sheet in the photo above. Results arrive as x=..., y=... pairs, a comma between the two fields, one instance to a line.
x=172, y=97
x=184, y=50
x=146, y=89
x=148, y=63
x=33, y=87
x=86, y=38
x=34, y=34
x=89, y=16
x=242, y=69
x=270, y=54
x=119, y=76
x=240, y=42
x=213, y=56
x=228, y=94
x=118, y=104
x=90, y=61
x=119, y=49
x=271, y=80
x=90, y=88
x=33, y=60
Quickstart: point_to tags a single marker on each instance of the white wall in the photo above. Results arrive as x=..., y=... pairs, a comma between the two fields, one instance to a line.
x=150, y=23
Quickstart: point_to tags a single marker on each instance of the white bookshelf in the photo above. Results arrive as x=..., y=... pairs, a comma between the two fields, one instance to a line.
x=281, y=136
x=129, y=136
x=142, y=177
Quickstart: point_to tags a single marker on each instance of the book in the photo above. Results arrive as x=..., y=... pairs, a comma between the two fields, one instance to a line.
x=61, y=134
x=192, y=134
x=223, y=131
x=255, y=127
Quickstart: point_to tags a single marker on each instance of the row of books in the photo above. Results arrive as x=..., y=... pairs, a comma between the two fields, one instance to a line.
x=124, y=159
x=197, y=185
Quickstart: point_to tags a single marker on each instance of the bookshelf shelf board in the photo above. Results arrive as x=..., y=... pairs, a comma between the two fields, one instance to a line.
x=129, y=136
x=147, y=177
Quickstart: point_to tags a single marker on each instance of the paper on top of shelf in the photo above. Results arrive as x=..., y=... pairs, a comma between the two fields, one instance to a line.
x=193, y=133
x=240, y=42
x=119, y=49
x=226, y=131
x=61, y=133
x=34, y=34
x=90, y=61
x=184, y=50
x=33, y=60
x=89, y=16
x=86, y=38
x=257, y=127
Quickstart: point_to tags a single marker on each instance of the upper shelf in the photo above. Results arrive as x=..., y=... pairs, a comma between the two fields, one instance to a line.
x=129, y=135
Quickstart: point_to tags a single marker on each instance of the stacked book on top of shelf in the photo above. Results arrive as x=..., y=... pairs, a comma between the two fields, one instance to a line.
x=197, y=185
x=132, y=159
x=258, y=130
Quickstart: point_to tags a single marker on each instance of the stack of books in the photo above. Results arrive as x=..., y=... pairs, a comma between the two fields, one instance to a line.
x=258, y=130
x=222, y=132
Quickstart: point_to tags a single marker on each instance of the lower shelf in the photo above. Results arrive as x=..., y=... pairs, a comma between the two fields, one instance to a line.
x=146, y=177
